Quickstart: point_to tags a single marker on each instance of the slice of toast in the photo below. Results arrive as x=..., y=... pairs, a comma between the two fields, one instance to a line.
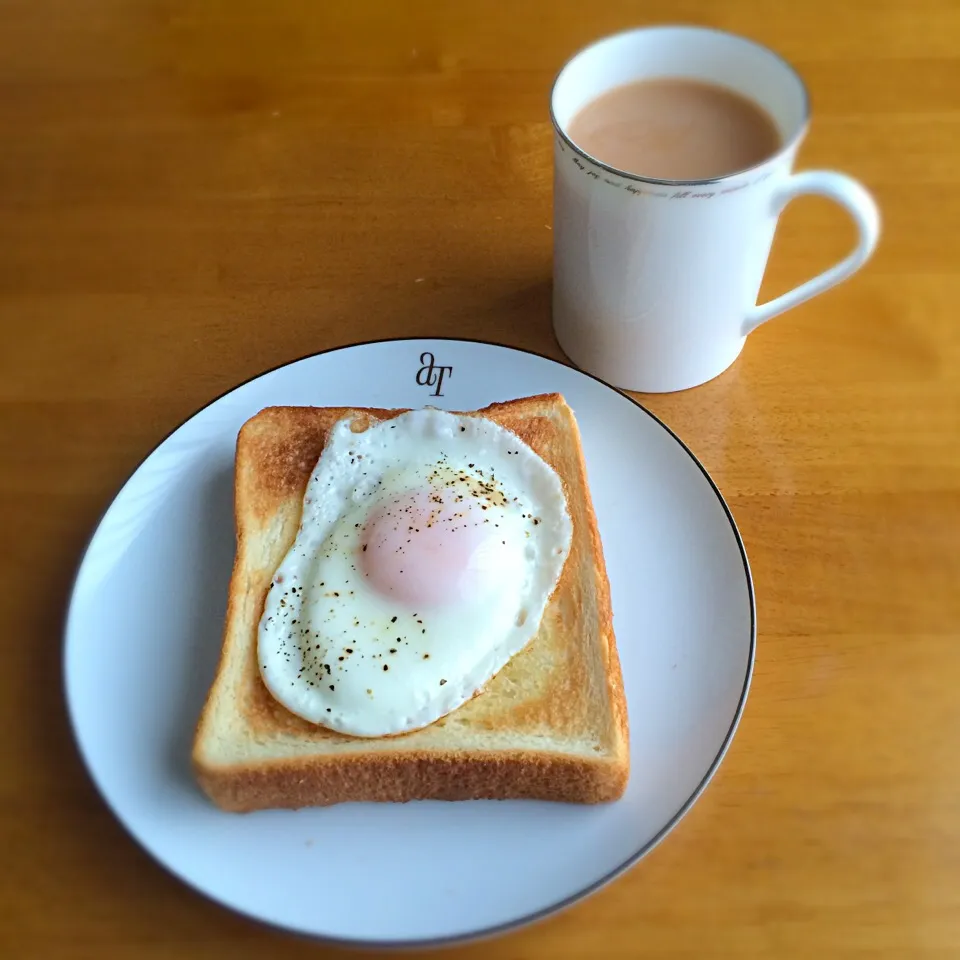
x=551, y=725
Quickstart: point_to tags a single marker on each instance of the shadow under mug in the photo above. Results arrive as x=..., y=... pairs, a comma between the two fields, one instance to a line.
x=655, y=282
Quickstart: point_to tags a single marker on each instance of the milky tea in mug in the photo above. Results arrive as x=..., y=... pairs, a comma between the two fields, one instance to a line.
x=675, y=129
x=672, y=163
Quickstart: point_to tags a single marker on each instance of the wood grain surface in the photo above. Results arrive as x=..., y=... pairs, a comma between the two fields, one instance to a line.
x=195, y=191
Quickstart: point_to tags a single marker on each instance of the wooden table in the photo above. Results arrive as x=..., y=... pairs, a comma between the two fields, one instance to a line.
x=195, y=191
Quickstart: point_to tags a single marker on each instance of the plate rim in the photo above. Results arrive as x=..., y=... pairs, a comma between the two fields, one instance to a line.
x=495, y=930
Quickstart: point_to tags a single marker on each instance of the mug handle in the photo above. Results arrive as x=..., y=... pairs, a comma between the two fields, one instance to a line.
x=858, y=203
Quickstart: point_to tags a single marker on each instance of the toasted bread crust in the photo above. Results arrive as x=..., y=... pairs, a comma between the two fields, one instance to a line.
x=507, y=775
x=276, y=453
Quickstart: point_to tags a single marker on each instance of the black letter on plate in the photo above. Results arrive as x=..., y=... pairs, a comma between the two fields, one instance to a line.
x=431, y=375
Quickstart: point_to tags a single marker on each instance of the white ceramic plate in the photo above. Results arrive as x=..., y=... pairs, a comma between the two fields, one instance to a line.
x=143, y=636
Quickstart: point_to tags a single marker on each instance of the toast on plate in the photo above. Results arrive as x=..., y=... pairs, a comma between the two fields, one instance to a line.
x=551, y=725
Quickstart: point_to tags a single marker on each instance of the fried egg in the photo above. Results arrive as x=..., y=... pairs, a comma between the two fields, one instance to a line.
x=428, y=549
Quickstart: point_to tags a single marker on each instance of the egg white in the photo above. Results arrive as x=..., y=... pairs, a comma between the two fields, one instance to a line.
x=336, y=651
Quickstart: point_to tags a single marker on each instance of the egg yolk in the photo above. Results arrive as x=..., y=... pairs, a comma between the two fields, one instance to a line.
x=431, y=548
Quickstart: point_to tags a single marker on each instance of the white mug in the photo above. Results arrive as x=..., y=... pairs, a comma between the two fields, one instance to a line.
x=655, y=282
